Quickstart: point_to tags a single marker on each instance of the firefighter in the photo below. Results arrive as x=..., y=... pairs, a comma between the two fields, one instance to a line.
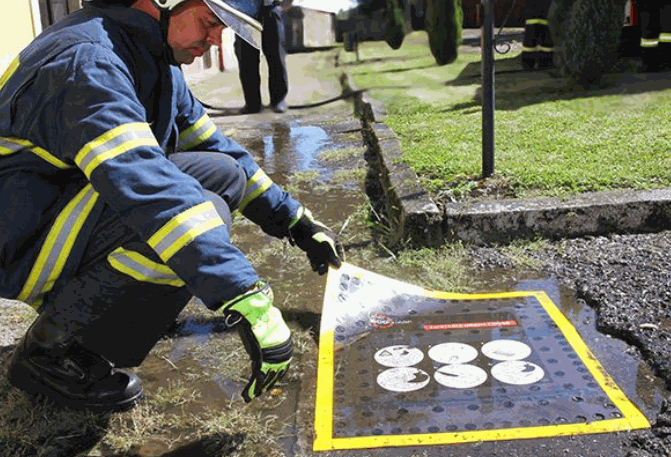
x=654, y=18
x=116, y=192
x=538, y=48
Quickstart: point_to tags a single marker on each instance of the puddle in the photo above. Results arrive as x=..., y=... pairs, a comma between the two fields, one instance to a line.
x=630, y=373
x=293, y=148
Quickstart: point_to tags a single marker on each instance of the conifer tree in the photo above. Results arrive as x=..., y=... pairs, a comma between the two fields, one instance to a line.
x=443, y=23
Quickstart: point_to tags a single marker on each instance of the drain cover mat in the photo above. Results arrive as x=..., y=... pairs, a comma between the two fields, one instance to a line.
x=403, y=366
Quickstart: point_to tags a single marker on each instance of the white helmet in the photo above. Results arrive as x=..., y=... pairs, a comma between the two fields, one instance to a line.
x=237, y=14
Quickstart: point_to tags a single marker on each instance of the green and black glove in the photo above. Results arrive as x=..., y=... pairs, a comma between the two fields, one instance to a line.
x=265, y=335
x=321, y=245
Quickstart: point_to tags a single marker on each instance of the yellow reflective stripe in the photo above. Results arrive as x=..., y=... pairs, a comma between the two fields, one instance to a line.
x=114, y=143
x=58, y=245
x=649, y=42
x=537, y=48
x=143, y=269
x=44, y=155
x=257, y=185
x=537, y=21
x=665, y=37
x=197, y=133
x=183, y=229
x=10, y=145
x=10, y=71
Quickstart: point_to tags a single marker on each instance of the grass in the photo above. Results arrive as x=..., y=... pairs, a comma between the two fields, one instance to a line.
x=179, y=409
x=550, y=138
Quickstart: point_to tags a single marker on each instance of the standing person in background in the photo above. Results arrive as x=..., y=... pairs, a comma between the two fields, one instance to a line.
x=538, y=47
x=271, y=17
x=655, y=21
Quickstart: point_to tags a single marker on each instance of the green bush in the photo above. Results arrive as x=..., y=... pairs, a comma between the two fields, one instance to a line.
x=586, y=34
x=443, y=22
x=395, y=32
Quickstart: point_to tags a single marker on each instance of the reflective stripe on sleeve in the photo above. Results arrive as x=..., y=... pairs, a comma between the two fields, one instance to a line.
x=57, y=247
x=13, y=66
x=183, y=229
x=10, y=146
x=114, y=143
x=537, y=21
x=665, y=37
x=257, y=185
x=143, y=269
x=197, y=133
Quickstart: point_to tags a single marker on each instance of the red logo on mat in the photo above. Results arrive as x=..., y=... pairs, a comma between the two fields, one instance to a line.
x=464, y=325
x=381, y=321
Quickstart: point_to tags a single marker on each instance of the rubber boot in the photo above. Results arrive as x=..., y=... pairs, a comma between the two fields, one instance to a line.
x=545, y=60
x=49, y=362
x=651, y=60
x=529, y=60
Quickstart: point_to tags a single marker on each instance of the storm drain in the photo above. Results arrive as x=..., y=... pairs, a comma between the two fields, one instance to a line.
x=399, y=365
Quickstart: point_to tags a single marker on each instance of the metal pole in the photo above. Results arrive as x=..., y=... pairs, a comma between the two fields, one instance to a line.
x=487, y=47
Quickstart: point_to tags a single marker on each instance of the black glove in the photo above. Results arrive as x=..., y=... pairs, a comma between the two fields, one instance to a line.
x=321, y=245
x=265, y=335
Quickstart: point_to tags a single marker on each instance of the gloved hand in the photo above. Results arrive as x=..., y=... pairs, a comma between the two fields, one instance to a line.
x=265, y=335
x=321, y=245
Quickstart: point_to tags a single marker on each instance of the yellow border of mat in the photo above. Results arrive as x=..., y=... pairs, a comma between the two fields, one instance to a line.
x=632, y=418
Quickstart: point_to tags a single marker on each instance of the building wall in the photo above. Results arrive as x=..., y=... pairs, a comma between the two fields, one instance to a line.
x=306, y=28
x=16, y=29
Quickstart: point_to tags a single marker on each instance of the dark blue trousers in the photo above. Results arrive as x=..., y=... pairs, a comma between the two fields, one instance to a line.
x=117, y=315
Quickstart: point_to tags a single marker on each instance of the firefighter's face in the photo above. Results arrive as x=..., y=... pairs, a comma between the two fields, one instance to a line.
x=193, y=29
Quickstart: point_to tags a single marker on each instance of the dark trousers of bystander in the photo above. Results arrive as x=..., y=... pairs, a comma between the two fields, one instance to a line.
x=249, y=59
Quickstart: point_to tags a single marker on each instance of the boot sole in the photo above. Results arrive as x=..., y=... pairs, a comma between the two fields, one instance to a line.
x=25, y=379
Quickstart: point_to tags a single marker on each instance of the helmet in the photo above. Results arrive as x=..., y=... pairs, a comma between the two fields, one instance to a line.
x=237, y=14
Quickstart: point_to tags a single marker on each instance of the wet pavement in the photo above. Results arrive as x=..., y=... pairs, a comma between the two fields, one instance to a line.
x=320, y=156
x=292, y=144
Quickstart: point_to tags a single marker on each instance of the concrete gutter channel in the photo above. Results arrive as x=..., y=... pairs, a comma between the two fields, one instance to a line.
x=497, y=221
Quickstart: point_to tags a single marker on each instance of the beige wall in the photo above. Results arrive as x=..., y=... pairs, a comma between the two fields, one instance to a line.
x=16, y=29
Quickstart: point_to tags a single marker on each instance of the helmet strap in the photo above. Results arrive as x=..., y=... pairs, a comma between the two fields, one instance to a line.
x=164, y=23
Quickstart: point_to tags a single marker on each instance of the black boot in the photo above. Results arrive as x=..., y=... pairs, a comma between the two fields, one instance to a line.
x=69, y=374
x=651, y=60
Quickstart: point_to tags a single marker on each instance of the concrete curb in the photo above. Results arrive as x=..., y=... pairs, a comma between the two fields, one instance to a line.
x=418, y=218
x=421, y=222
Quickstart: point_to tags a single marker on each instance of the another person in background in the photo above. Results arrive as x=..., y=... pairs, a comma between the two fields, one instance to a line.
x=271, y=17
x=655, y=21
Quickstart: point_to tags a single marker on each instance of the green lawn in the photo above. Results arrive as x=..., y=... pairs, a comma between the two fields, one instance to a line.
x=551, y=139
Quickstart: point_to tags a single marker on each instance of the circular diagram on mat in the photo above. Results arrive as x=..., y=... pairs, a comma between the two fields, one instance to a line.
x=517, y=372
x=404, y=379
x=460, y=376
x=453, y=353
x=398, y=356
x=506, y=350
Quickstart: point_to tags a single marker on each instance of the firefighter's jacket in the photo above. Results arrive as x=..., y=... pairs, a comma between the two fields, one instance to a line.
x=89, y=111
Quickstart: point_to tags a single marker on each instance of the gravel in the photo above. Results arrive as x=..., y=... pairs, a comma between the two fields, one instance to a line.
x=627, y=280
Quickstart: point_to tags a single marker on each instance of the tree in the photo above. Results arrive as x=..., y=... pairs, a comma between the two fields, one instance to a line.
x=395, y=32
x=443, y=22
x=586, y=34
